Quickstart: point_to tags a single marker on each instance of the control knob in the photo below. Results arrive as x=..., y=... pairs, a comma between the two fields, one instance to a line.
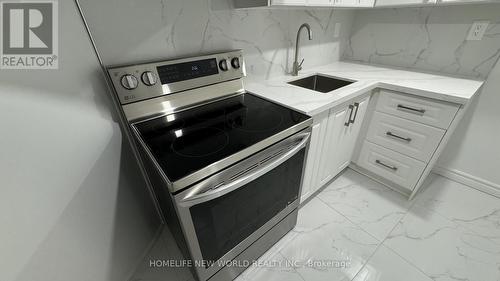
x=235, y=63
x=129, y=81
x=223, y=65
x=148, y=78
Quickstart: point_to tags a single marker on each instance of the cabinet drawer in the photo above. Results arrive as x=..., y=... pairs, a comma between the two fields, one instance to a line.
x=404, y=136
x=423, y=110
x=395, y=167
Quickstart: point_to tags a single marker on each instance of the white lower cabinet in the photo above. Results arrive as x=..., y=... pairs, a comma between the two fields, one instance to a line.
x=404, y=138
x=310, y=183
x=332, y=145
x=395, y=167
x=344, y=125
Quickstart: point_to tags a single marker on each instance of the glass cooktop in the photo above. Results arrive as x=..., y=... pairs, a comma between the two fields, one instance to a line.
x=188, y=141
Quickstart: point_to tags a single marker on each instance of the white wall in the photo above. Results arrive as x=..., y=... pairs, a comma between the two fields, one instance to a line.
x=128, y=31
x=431, y=38
x=474, y=150
x=73, y=205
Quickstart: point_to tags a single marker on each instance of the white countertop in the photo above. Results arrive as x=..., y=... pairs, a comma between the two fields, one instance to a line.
x=367, y=77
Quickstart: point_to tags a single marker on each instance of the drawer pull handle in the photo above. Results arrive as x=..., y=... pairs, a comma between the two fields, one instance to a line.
x=390, y=134
x=420, y=111
x=351, y=108
x=386, y=166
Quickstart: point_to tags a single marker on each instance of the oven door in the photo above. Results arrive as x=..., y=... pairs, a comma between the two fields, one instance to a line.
x=224, y=214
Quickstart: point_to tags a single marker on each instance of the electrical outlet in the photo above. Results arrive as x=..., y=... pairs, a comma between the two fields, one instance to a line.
x=336, y=33
x=477, y=30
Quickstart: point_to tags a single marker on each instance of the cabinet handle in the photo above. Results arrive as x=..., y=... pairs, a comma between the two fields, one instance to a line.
x=356, y=104
x=390, y=134
x=351, y=107
x=420, y=111
x=386, y=166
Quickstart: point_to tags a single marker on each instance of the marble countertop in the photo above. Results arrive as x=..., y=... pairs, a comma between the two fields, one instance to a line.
x=367, y=77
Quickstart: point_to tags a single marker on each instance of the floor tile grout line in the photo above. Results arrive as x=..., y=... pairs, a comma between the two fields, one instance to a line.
x=355, y=224
x=383, y=240
x=455, y=222
x=376, y=249
x=409, y=262
x=380, y=245
x=402, y=257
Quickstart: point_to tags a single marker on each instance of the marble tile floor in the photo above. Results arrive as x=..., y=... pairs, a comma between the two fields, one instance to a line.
x=357, y=229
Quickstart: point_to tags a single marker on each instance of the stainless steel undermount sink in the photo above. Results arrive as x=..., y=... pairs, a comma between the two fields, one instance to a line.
x=320, y=83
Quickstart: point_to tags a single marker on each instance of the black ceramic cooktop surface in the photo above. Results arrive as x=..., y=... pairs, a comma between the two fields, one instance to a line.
x=188, y=141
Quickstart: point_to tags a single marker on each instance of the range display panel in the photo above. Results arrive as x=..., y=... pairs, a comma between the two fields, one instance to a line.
x=185, y=71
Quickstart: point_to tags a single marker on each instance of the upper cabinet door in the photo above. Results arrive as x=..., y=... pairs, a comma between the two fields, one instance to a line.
x=353, y=3
x=288, y=2
x=466, y=1
x=404, y=2
x=366, y=3
x=320, y=3
x=345, y=3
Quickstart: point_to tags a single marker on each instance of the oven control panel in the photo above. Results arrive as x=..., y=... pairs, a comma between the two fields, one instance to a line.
x=138, y=82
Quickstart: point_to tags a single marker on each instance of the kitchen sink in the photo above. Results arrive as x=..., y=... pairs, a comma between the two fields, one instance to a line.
x=320, y=83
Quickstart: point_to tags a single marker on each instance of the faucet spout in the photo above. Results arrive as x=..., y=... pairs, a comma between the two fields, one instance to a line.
x=296, y=65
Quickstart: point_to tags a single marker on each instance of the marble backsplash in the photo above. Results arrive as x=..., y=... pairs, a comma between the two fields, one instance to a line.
x=128, y=31
x=430, y=39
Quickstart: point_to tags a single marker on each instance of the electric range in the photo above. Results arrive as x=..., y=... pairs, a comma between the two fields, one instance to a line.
x=225, y=166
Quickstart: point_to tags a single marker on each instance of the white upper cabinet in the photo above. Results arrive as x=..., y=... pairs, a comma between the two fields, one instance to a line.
x=466, y=1
x=381, y=3
x=344, y=3
x=353, y=3
x=394, y=3
x=288, y=2
x=320, y=3
x=366, y=3
x=310, y=3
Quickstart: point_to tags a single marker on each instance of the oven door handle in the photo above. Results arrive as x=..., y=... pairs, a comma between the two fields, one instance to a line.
x=201, y=193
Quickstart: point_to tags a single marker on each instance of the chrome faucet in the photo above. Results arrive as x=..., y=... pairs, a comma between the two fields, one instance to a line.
x=296, y=65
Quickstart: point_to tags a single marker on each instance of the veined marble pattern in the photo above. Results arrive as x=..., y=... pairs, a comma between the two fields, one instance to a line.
x=468, y=207
x=430, y=38
x=448, y=233
x=386, y=265
x=324, y=236
x=444, y=250
x=370, y=205
x=178, y=28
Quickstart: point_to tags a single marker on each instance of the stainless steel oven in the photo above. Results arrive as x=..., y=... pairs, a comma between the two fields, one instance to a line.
x=227, y=212
x=226, y=165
